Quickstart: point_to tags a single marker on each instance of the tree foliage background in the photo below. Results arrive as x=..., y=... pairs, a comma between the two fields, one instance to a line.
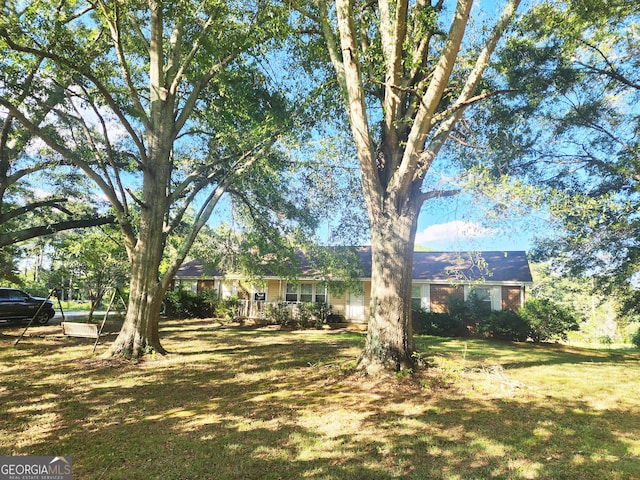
x=569, y=133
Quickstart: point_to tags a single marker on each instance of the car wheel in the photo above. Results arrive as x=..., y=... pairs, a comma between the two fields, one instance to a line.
x=42, y=318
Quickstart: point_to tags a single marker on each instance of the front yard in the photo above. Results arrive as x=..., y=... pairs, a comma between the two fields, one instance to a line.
x=233, y=403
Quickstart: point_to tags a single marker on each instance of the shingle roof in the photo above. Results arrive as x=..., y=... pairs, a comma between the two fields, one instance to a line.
x=197, y=269
x=491, y=266
x=499, y=266
x=496, y=266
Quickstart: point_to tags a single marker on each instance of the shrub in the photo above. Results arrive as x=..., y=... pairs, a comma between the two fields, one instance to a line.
x=469, y=314
x=548, y=320
x=504, y=325
x=335, y=318
x=303, y=315
x=312, y=314
x=183, y=303
x=227, y=308
x=438, y=324
x=463, y=316
x=540, y=320
x=279, y=313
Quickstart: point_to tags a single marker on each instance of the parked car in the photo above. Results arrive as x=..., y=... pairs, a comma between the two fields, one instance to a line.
x=18, y=306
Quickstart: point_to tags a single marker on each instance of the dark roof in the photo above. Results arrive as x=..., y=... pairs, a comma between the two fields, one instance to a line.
x=197, y=269
x=499, y=266
x=496, y=266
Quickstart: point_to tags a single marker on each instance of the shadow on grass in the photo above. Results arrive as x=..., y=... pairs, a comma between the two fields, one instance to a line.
x=524, y=355
x=236, y=404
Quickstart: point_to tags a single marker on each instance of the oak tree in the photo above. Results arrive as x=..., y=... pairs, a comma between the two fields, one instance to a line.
x=571, y=130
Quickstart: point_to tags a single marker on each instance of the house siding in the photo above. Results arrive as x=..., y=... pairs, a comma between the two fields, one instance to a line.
x=339, y=304
x=273, y=290
x=441, y=294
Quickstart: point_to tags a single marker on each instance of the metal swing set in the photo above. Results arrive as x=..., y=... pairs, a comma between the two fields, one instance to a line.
x=79, y=329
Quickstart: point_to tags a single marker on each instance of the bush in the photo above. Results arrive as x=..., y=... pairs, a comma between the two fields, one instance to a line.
x=183, y=303
x=335, y=318
x=227, y=308
x=635, y=339
x=301, y=315
x=438, y=324
x=538, y=320
x=504, y=325
x=279, y=313
x=313, y=314
x=548, y=320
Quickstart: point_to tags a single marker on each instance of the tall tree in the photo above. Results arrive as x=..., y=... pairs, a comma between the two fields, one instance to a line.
x=174, y=112
x=405, y=82
x=92, y=260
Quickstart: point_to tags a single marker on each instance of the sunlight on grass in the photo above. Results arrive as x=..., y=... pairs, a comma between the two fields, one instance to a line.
x=259, y=404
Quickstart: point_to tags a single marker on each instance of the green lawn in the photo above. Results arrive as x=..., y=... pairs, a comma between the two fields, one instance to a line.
x=234, y=403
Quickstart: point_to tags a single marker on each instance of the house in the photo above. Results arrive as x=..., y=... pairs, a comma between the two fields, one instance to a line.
x=499, y=278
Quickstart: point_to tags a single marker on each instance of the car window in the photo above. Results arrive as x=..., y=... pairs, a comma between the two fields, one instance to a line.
x=17, y=295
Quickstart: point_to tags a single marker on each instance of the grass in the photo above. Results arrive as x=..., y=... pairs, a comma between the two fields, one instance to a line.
x=234, y=403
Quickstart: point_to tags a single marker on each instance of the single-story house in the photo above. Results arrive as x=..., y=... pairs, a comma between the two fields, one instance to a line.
x=499, y=278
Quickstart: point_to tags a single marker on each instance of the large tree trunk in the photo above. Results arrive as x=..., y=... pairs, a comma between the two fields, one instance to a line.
x=415, y=124
x=139, y=333
x=389, y=344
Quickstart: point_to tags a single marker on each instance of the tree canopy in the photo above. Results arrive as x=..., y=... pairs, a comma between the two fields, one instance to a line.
x=39, y=195
x=572, y=131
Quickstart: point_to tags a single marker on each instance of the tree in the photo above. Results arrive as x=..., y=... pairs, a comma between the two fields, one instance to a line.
x=405, y=84
x=573, y=133
x=173, y=111
x=92, y=260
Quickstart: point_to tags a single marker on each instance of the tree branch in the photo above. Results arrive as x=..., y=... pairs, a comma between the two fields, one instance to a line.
x=424, y=196
x=611, y=72
x=21, y=235
x=104, y=91
x=16, y=212
x=65, y=152
x=114, y=27
x=402, y=178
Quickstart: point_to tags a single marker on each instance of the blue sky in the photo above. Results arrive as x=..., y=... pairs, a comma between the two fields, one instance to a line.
x=460, y=224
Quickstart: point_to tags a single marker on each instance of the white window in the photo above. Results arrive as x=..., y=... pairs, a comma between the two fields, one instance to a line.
x=321, y=294
x=291, y=294
x=305, y=292
x=228, y=289
x=489, y=297
x=416, y=297
x=420, y=296
x=188, y=285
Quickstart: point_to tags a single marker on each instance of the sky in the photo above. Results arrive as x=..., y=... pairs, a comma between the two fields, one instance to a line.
x=459, y=224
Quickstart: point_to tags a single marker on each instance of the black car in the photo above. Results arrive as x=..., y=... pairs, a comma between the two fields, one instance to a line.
x=17, y=306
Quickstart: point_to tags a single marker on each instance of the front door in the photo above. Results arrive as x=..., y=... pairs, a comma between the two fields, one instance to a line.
x=355, y=307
